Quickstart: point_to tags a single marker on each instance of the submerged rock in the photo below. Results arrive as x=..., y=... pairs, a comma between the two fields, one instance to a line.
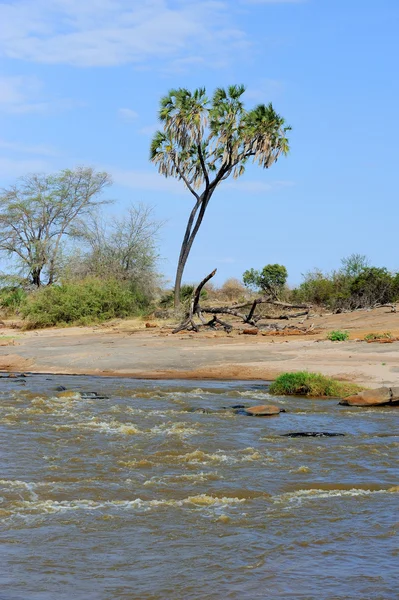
x=68, y=394
x=379, y=397
x=312, y=434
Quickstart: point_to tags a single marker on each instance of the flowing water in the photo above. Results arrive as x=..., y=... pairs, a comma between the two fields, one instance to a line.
x=134, y=496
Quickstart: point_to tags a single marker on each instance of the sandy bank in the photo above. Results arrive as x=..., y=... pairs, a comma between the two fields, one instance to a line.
x=122, y=349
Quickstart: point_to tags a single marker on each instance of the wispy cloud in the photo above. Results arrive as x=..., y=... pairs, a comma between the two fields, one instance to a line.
x=145, y=180
x=258, y=187
x=117, y=32
x=265, y=90
x=127, y=114
x=21, y=94
x=10, y=168
x=22, y=148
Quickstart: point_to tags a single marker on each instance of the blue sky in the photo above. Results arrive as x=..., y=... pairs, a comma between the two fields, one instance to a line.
x=80, y=83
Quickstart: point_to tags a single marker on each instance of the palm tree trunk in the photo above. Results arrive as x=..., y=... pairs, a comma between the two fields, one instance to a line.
x=189, y=238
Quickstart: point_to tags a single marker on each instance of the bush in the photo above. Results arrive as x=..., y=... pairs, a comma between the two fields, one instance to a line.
x=12, y=299
x=186, y=293
x=355, y=285
x=316, y=289
x=303, y=383
x=82, y=302
x=370, y=337
x=232, y=290
x=271, y=280
x=337, y=336
x=372, y=286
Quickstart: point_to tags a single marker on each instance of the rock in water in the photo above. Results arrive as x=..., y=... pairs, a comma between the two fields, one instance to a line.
x=263, y=410
x=378, y=397
x=312, y=434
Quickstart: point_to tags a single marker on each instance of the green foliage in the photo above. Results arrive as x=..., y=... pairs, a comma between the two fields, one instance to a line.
x=354, y=264
x=40, y=211
x=370, y=337
x=303, y=383
x=371, y=286
x=204, y=141
x=337, y=336
x=355, y=285
x=186, y=293
x=271, y=279
x=82, y=302
x=316, y=289
x=12, y=299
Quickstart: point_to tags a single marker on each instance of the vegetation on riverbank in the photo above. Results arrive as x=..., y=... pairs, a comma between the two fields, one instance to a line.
x=304, y=383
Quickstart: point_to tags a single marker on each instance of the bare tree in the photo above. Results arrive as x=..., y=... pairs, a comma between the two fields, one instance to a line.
x=40, y=210
x=124, y=248
x=205, y=142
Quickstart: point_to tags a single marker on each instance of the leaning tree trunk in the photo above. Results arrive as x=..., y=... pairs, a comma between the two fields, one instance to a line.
x=193, y=225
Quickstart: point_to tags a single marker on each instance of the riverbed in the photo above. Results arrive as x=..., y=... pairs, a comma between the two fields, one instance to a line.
x=120, y=490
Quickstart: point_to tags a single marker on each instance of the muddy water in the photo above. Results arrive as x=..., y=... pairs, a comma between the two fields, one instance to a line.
x=136, y=497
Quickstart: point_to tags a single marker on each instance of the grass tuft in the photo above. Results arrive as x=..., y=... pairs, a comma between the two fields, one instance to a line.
x=303, y=383
x=338, y=336
x=386, y=335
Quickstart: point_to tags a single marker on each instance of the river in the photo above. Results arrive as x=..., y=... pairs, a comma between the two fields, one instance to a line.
x=128, y=494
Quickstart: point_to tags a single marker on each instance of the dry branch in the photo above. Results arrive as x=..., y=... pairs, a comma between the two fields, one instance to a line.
x=251, y=319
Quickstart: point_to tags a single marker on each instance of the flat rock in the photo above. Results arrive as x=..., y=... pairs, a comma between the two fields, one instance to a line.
x=264, y=410
x=377, y=397
x=394, y=394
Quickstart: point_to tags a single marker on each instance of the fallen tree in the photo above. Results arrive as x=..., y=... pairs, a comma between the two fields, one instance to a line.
x=236, y=310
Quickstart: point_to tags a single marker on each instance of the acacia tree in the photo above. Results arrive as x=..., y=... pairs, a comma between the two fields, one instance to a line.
x=205, y=142
x=39, y=211
x=123, y=248
x=270, y=280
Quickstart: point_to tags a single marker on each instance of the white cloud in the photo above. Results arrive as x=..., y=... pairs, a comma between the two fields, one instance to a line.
x=12, y=168
x=127, y=114
x=117, y=32
x=21, y=94
x=265, y=91
x=20, y=147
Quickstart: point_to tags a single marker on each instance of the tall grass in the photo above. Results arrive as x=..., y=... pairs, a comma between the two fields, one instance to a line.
x=303, y=383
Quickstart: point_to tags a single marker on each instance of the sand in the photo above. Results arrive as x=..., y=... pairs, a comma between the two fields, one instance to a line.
x=127, y=348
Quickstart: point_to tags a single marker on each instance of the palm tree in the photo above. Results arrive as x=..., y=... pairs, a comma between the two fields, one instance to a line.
x=204, y=142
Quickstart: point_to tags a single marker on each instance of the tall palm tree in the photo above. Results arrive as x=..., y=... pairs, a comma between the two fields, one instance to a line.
x=204, y=142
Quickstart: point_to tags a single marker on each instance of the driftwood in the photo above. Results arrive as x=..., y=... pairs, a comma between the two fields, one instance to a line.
x=235, y=310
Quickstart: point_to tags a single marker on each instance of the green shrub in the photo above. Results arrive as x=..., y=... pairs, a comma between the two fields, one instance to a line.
x=186, y=293
x=386, y=335
x=337, y=336
x=271, y=280
x=12, y=299
x=82, y=302
x=303, y=383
